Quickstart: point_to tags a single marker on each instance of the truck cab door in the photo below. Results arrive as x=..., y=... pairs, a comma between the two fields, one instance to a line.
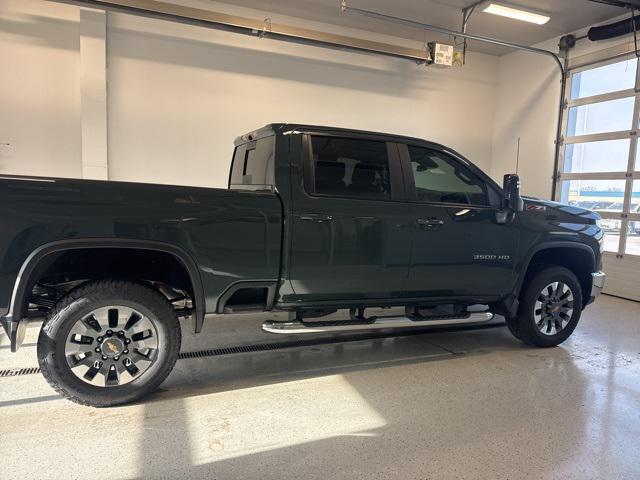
x=459, y=248
x=350, y=238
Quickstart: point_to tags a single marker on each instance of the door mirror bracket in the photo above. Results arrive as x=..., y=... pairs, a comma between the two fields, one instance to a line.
x=503, y=216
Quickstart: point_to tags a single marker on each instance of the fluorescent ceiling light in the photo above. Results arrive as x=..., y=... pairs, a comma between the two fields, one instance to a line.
x=516, y=13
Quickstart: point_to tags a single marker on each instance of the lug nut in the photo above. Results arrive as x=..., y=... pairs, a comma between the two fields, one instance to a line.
x=126, y=352
x=99, y=339
x=120, y=333
x=109, y=333
x=116, y=358
x=127, y=341
x=104, y=357
x=98, y=350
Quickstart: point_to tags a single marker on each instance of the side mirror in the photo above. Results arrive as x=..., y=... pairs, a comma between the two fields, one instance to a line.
x=511, y=187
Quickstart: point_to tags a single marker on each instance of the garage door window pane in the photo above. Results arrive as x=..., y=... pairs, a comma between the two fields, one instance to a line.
x=606, y=79
x=602, y=195
x=633, y=229
x=608, y=156
x=601, y=117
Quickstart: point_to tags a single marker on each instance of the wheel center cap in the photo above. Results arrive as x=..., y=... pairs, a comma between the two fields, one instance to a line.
x=112, y=347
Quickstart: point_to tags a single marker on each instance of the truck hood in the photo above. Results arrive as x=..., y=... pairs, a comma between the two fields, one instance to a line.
x=577, y=214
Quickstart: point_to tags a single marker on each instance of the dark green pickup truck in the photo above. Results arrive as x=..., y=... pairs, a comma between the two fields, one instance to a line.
x=315, y=219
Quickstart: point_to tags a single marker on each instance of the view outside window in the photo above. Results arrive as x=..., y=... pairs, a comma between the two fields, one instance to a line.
x=633, y=238
x=592, y=157
x=595, y=172
x=599, y=195
x=606, y=79
x=604, y=196
x=602, y=117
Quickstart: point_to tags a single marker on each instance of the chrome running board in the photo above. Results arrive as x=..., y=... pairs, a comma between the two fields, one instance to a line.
x=373, y=323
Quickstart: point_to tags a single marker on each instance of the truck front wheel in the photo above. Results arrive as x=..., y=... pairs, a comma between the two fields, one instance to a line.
x=550, y=308
x=109, y=342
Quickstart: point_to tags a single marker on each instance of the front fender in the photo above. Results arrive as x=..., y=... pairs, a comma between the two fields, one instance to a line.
x=549, y=245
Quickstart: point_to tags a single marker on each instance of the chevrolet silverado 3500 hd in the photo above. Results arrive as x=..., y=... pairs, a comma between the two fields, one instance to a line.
x=314, y=219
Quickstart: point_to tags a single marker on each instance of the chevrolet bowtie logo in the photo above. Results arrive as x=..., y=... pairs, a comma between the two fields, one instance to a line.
x=111, y=347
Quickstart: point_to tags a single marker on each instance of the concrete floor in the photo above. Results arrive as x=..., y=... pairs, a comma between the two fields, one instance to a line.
x=432, y=406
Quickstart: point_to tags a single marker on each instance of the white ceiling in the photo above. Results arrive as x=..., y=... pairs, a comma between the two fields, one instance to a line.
x=566, y=16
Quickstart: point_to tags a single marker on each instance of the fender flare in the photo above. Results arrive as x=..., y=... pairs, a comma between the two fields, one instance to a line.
x=29, y=267
x=549, y=246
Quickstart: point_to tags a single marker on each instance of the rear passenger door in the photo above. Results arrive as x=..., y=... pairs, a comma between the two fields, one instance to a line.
x=351, y=237
x=459, y=249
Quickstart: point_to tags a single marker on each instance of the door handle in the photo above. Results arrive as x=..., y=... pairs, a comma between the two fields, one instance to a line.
x=430, y=222
x=316, y=217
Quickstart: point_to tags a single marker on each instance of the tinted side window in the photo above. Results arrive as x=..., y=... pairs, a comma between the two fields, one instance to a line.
x=441, y=179
x=253, y=165
x=350, y=167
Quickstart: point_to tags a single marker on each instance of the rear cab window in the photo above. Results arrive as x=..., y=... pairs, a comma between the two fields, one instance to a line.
x=349, y=167
x=253, y=165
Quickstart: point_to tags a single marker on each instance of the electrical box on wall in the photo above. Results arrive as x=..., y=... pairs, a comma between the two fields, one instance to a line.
x=6, y=149
x=441, y=54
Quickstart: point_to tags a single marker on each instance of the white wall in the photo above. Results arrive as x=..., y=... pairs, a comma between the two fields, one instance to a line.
x=527, y=107
x=39, y=89
x=178, y=95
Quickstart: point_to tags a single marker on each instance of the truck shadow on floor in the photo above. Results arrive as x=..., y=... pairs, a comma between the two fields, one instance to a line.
x=236, y=371
x=347, y=411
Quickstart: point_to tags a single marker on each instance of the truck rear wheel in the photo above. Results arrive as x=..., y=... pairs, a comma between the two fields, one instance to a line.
x=109, y=342
x=550, y=308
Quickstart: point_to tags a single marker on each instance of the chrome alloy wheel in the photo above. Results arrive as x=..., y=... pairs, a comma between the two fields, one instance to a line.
x=111, y=346
x=553, y=308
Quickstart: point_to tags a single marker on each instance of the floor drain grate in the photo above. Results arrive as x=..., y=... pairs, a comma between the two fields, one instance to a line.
x=265, y=347
x=262, y=347
x=16, y=372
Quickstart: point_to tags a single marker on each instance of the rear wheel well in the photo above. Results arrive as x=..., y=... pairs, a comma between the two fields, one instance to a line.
x=577, y=260
x=59, y=272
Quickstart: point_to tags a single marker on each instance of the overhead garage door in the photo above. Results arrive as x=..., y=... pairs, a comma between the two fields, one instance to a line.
x=600, y=162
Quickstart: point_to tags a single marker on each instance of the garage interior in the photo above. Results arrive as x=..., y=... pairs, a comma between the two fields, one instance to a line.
x=156, y=92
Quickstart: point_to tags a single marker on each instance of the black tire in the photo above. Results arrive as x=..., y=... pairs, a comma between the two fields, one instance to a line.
x=524, y=327
x=81, y=302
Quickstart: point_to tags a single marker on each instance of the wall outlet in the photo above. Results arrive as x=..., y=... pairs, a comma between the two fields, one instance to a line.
x=6, y=150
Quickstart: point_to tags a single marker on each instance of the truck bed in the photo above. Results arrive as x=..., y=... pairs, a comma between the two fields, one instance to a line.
x=231, y=235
